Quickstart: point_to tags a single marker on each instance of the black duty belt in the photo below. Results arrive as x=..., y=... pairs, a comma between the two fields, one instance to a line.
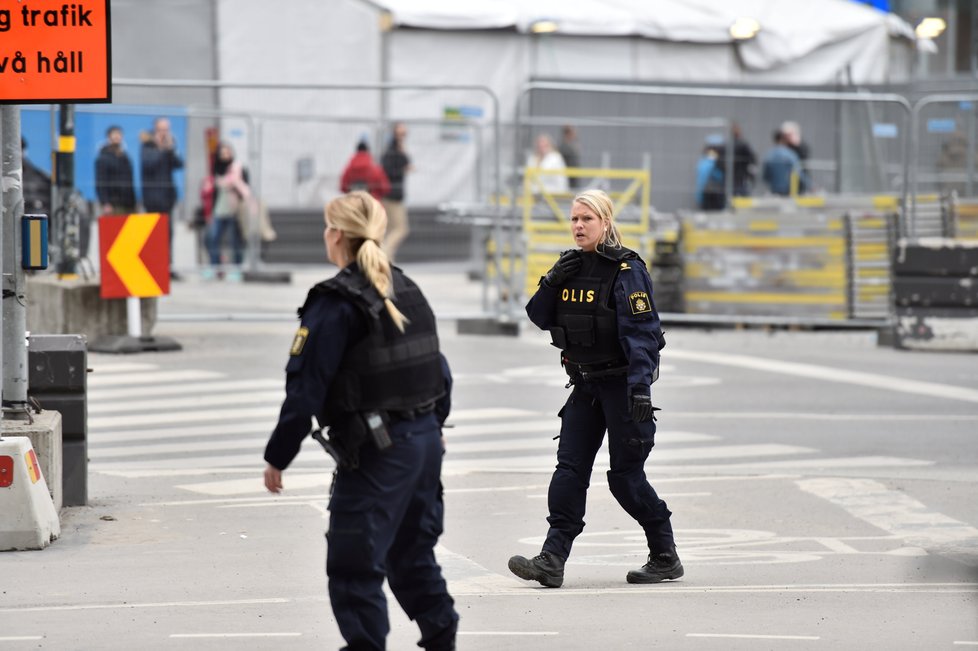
x=412, y=414
x=595, y=371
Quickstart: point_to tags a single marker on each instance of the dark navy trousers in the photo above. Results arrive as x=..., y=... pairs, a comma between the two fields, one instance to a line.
x=592, y=408
x=384, y=522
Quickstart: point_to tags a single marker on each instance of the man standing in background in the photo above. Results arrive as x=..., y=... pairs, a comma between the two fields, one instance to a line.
x=113, y=176
x=396, y=165
x=159, y=160
x=571, y=152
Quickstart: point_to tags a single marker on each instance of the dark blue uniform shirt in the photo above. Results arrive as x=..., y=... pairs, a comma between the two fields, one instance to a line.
x=332, y=324
x=639, y=330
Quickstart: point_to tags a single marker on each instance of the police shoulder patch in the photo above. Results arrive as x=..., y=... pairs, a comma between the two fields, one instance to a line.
x=301, y=335
x=639, y=302
x=625, y=266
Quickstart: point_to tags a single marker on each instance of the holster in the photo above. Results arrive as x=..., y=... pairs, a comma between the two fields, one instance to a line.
x=343, y=441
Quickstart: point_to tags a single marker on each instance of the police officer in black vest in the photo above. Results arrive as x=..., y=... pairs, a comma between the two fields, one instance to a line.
x=366, y=363
x=596, y=302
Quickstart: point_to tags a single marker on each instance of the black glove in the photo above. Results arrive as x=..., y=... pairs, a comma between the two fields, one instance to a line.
x=640, y=406
x=566, y=266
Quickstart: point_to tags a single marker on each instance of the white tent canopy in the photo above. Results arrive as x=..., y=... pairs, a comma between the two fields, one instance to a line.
x=788, y=30
x=491, y=43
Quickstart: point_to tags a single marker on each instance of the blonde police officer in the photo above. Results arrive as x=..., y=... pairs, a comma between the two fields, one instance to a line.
x=597, y=303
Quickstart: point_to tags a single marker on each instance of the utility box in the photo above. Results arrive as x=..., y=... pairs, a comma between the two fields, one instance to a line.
x=58, y=381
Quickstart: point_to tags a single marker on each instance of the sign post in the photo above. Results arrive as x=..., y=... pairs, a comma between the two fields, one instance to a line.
x=134, y=255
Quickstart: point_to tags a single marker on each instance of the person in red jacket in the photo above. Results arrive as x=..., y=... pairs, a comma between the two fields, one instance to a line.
x=363, y=173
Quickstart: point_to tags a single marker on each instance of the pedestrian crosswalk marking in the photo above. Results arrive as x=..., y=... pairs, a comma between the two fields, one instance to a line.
x=829, y=374
x=489, y=412
x=127, y=434
x=188, y=402
x=269, y=414
x=239, y=444
x=95, y=381
x=146, y=422
x=121, y=367
x=192, y=388
x=894, y=512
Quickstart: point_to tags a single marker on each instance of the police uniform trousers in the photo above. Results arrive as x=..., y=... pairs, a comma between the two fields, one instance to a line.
x=591, y=408
x=385, y=519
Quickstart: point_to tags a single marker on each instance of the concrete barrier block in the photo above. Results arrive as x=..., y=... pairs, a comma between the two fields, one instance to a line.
x=56, y=306
x=44, y=432
x=28, y=519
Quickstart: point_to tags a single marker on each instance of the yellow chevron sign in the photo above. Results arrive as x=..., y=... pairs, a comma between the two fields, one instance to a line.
x=135, y=255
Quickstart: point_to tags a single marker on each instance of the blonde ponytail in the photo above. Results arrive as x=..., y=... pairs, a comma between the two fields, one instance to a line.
x=363, y=220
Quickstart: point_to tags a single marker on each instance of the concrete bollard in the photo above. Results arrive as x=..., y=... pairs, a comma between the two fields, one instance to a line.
x=45, y=433
x=28, y=519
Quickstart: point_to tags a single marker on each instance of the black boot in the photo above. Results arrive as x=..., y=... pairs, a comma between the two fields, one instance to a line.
x=662, y=566
x=545, y=567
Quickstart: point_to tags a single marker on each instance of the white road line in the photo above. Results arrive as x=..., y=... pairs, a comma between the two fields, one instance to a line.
x=545, y=464
x=743, y=636
x=159, y=377
x=189, y=388
x=277, y=500
x=161, y=604
x=227, y=635
x=489, y=412
x=892, y=511
x=199, y=401
x=789, y=464
x=965, y=643
x=212, y=463
x=526, y=633
x=269, y=415
x=518, y=589
x=121, y=367
x=550, y=425
x=255, y=445
x=21, y=638
x=829, y=374
x=243, y=428
x=254, y=484
x=520, y=428
x=788, y=416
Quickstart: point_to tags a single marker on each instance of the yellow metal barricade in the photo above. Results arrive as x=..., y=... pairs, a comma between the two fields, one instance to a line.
x=546, y=215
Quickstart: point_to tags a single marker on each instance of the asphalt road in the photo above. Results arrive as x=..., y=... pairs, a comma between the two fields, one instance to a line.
x=823, y=492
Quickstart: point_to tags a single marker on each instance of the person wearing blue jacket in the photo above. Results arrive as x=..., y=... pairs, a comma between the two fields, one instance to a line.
x=597, y=303
x=366, y=363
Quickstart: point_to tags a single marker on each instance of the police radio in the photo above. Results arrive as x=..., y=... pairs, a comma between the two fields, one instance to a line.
x=377, y=429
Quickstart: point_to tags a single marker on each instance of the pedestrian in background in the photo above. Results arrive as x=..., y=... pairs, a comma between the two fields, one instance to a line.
x=231, y=196
x=596, y=301
x=792, y=139
x=363, y=173
x=545, y=157
x=366, y=363
x=113, y=176
x=781, y=166
x=744, y=162
x=158, y=161
x=571, y=152
x=396, y=164
x=710, y=191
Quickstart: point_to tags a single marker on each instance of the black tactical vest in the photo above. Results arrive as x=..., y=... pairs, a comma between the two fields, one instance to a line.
x=386, y=370
x=587, y=325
